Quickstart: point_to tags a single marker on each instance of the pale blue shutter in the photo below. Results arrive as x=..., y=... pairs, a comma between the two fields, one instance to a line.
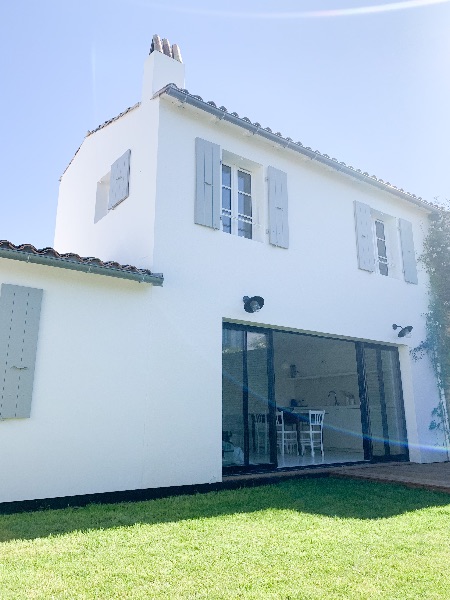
x=208, y=183
x=20, y=309
x=408, y=253
x=119, y=185
x=364, y=237
x=278, y=208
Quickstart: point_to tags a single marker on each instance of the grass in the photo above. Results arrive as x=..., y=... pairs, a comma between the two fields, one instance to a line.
x=299, y=539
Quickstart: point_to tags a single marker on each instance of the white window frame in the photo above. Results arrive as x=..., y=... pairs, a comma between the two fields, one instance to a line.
x=379, y=259
x=234, y=215
x=391, y=239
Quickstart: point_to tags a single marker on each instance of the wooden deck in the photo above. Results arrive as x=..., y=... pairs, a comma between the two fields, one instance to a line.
x=431, y=476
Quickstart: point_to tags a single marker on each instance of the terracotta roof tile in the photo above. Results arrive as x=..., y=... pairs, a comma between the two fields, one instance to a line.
x=70, y=260
x=289, y=142
x=387, y=185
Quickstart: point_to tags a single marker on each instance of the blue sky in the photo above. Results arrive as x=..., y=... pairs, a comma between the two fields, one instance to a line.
x=364, y=81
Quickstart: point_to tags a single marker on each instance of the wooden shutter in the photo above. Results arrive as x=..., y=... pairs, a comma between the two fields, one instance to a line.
x=364, y=237
x=20, y=309
x=408, y=253
x=119, y=185
x=278, y=208
x=208, y=183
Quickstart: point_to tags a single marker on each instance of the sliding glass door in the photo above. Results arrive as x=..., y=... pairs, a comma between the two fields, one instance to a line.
x=248, y=410
x=267, y=372
x=382, y=404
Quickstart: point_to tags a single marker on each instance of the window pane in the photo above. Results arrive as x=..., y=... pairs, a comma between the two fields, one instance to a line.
x=398, y=442
x=245, y=229
x=244, y=182
x=374, y=401
x=379, y=229
x=245, y=205
x=226, y=175
x=383, y=268
x=233, y=385
x=226, y=224
x=226, y=199
x=381, y=248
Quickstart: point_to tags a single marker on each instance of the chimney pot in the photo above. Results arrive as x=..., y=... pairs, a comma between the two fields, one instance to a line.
x=163, y=66
x=166, y=48
x=176, y=53
x=156, y=44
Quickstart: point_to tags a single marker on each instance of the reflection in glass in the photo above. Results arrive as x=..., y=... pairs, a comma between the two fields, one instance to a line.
x=232, y=397
x=226, y=175
x=381, y=248
x=244, y=182
x=394, y=406
x=245, y=402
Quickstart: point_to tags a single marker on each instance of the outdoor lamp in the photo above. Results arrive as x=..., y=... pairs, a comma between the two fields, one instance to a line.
x=403, y=330
x=253, y=304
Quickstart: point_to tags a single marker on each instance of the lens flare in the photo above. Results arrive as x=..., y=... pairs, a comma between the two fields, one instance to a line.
x=306, y=14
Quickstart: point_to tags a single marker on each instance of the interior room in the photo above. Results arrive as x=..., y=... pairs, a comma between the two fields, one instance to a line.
x=293, y=399
x=319, y=374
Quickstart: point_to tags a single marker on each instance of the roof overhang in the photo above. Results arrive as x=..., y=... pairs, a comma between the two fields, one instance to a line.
x=50, y=258
x=184, y=97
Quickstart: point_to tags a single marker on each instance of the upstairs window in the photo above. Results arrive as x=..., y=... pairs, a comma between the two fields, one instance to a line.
x=381, y=250
x=231, y=192
x=385, y=245
x=236, y=214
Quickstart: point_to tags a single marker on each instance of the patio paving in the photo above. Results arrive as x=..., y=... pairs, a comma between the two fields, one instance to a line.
x=431, y=476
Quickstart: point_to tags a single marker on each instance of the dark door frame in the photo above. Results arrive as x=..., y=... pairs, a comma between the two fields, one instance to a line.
x=365, y=408
x=245, y=394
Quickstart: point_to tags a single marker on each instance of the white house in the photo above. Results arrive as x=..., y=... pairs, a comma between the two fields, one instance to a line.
x=122, y=383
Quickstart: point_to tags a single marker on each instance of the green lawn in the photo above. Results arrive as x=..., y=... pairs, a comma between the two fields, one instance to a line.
x=303, y=539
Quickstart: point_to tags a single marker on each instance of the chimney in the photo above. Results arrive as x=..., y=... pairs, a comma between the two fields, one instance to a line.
x=163, y=66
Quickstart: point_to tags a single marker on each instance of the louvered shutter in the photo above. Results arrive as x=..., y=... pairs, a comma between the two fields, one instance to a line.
x=408, y=253
x=208, y=183
x=20, y=309
x=278, y=208
x=364, y=237
x=119, y=185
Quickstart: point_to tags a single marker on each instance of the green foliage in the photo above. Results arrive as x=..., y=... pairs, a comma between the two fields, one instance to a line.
x=436, y=258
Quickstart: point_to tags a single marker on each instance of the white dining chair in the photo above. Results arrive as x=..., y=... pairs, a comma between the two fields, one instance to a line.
x=287, y=441
x=311, y=433
x=261, y=431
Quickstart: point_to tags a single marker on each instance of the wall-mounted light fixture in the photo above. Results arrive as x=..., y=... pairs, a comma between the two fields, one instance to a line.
x=404, y=331
x=253, y=304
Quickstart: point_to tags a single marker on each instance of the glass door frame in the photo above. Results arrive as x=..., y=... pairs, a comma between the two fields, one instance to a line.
x=268, y=332
x=365, y=408
x=360, y=346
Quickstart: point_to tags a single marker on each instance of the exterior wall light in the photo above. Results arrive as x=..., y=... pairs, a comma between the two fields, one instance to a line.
x=404, y=331
x=253, y=304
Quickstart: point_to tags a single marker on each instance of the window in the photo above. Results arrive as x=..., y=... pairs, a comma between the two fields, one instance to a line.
x=381, y=250
x=231, y=193
x=385, y=244
x=236, y=213
x=113, y=188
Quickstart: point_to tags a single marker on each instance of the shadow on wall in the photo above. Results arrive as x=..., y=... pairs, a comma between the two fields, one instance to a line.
x=320, y=496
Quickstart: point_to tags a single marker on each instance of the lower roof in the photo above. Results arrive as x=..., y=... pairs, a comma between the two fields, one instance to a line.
x=50, y=257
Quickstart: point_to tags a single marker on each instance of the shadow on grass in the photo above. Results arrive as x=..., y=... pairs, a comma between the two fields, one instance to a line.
x=349, y=499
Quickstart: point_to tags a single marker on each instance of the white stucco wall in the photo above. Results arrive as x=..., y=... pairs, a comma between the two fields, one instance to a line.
x=314, y=286
x=92, y=397
x=125, y=233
